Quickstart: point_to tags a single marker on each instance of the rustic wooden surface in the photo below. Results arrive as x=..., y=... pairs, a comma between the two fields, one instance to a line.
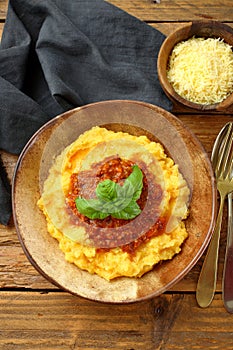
x=35, y=314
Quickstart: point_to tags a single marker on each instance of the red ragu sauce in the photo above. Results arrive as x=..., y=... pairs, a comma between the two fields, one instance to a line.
x=115, y=169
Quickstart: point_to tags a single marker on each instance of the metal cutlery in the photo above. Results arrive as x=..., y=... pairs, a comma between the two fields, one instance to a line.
x=227, y=283
x=222, y=160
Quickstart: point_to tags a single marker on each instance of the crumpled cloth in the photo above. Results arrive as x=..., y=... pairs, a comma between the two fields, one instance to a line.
x=56, y=55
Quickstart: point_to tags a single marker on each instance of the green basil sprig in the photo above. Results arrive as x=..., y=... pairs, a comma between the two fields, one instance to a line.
x=113, y=199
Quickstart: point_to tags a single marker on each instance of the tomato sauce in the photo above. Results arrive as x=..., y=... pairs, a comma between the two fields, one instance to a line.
x=116, y=169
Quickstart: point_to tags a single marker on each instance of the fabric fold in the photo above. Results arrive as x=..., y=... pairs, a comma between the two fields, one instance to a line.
x=56, y=55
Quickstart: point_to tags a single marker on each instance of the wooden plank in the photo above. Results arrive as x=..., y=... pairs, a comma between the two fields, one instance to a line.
x=167, y=28
x=1, y=29
x=167, y=10
x=17, y=272
x=130, y=7
x=177, y=10
x=57, y=320
x=3, y=9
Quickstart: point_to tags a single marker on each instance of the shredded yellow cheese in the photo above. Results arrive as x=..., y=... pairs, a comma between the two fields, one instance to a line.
x=201, y=70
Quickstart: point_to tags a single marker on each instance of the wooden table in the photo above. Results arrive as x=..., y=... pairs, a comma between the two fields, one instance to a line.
x=36, y=315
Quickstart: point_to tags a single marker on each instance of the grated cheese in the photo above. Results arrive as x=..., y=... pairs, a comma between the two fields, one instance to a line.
x=201, y=70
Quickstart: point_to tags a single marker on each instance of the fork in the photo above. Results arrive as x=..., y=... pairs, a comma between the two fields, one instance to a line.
x=222, y=160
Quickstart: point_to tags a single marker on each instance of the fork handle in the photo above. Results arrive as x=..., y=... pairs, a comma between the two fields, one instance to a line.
x=207, y=280
x=228, y=263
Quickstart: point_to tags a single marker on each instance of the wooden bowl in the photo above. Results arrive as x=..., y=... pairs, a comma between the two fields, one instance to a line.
x=204, y=29
x=136, y=118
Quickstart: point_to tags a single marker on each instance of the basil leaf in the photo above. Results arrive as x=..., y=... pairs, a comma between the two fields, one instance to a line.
x=132, y=187
x=125, y=191
x=90, y=208
x=129, y=212
x=106, y=190
x=114, y=199
x=135, y=181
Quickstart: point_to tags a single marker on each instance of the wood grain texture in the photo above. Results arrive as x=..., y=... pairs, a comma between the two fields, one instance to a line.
x=3, y=9
x=177, y=10
x=167, y=10
x=1, y=29
x=61, y=321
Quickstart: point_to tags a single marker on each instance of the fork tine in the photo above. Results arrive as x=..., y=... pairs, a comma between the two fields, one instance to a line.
x=218, y=147
x=229, y=165
x=224, y=152
x=228, y=153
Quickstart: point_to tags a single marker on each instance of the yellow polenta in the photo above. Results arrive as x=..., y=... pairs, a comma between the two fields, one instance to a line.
x=116, y=262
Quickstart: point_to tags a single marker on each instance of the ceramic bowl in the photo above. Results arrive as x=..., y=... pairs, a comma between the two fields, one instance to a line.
x=137, y=118
x=206, y=29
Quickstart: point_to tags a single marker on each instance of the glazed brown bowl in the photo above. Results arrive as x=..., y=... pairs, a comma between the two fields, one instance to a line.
x=136, y=118
x=205, y=29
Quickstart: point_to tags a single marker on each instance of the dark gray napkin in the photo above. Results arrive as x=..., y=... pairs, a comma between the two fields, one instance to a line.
x=56, y=55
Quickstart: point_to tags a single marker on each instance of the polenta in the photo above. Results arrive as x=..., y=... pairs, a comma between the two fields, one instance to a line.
x=148, y=225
